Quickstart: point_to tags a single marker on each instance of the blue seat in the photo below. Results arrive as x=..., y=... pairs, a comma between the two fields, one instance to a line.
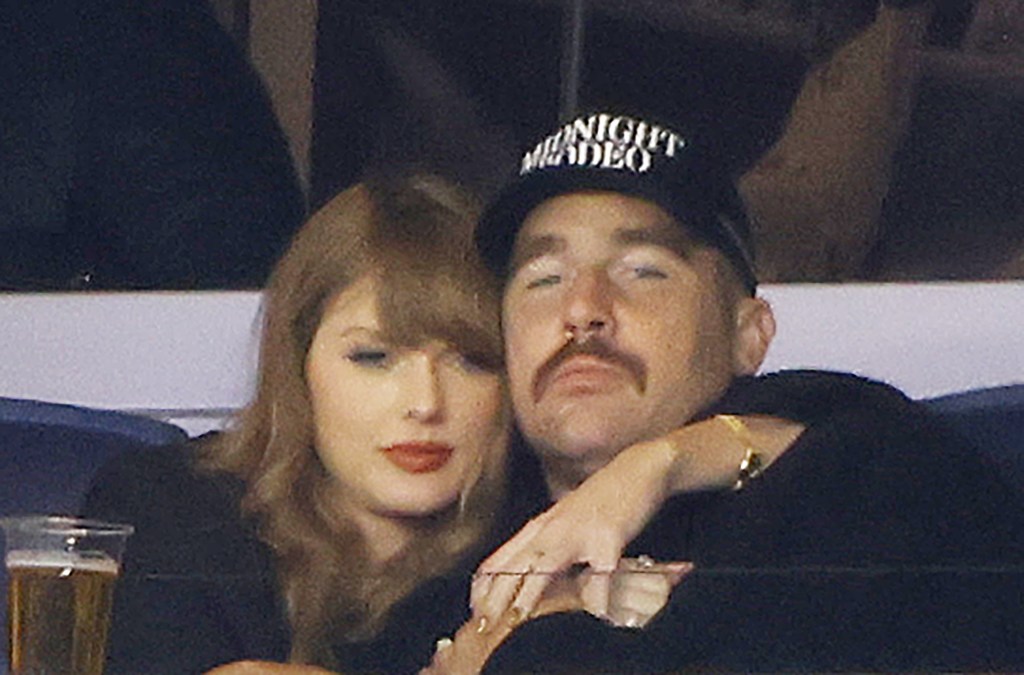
x=993, y=421
x=49, y=453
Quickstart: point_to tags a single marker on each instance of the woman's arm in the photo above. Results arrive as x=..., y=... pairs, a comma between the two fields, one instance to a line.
x=592, y=524
x=639, y=590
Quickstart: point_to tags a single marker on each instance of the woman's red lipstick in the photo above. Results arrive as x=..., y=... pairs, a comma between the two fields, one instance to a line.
x=419, y=457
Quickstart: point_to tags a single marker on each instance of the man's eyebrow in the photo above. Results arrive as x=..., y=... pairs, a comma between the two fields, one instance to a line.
x=667, y=235
x=534, y=247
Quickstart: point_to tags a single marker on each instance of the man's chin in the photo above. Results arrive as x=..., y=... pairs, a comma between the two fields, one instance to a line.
x=591, y=445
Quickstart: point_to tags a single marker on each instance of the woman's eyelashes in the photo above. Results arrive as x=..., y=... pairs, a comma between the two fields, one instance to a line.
x=383, y=358
x=370, y=357
x=476, y=363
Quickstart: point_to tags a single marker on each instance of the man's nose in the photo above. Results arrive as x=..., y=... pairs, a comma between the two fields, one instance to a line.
x=424, y=390
x=588, y=305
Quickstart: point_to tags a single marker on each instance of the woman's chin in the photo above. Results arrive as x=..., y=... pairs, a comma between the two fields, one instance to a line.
x=419, y=502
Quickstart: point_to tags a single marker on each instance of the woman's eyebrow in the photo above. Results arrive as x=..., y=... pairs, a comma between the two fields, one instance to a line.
x=358, y=332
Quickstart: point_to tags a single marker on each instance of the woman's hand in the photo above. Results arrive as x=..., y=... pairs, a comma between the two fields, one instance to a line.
x=266, y=668
x=591, y=525
x=588, y=526
x=639, y=587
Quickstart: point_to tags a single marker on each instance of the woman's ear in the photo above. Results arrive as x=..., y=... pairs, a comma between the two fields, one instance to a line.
x=755, y=328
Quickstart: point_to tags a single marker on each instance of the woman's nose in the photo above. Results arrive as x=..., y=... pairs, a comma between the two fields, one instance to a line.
x=424, y=391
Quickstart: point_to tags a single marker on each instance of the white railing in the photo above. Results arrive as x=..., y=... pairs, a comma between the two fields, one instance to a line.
x=189, y=357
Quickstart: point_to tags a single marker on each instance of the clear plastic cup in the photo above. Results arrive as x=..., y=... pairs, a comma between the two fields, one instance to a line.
x=61, y=576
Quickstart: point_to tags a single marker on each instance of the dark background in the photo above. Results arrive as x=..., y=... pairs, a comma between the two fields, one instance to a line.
x=139, y=148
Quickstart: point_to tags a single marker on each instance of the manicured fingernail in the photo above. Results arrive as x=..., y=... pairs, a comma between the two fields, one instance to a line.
x=481, y=627
x=516, y=616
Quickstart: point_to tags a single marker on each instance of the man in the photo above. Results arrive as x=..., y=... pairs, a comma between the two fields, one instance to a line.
x=630, y=310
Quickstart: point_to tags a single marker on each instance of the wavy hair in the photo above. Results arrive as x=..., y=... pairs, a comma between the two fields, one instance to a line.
x=414, y=234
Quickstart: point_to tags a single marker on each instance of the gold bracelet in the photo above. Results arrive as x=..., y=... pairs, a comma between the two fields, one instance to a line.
x=752, y=464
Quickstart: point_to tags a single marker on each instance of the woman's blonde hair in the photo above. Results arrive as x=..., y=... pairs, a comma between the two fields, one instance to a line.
x=414, y=234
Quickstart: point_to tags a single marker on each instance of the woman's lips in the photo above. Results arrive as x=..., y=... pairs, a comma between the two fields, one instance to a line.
x=419, y=457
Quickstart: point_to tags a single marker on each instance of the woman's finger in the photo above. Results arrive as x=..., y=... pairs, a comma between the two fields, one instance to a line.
x=520, y=591
x=501, y=563
x=530, y=594
x=504, y=588
x=499, y=560
x=504, y=557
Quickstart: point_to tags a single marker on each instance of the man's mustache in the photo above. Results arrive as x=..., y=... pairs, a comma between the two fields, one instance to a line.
x=595, y=346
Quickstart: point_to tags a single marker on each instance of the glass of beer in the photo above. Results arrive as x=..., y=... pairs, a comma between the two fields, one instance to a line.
x=61, y=573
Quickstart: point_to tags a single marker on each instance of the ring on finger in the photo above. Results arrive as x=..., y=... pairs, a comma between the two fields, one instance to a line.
x=521, y=580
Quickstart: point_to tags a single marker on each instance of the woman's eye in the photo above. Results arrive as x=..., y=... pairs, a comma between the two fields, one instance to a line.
x=546, y=280
x=369, y=357
x=476, y=363
x=467, y=362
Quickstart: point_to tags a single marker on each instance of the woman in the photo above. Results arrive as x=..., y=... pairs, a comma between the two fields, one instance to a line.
x=370, y=460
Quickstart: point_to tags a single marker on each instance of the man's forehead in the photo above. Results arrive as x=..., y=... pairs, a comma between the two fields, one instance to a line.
x=655, y=228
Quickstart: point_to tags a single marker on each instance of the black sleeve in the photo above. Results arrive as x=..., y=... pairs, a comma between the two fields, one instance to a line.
x=878, y=542
x=808, y=396
x=196, y=589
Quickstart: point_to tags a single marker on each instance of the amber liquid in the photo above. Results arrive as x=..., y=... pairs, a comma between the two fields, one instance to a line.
x=58, y=612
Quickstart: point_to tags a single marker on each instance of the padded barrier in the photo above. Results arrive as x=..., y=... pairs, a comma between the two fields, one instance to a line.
x=992, y=419
x=50, y=452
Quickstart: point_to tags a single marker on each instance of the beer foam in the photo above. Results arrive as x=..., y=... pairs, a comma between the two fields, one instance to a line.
x=92, y=562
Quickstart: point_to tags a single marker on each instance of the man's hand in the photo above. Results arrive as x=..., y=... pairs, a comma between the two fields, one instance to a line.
x=640, y=588
x=266, y=668
x=591, y=525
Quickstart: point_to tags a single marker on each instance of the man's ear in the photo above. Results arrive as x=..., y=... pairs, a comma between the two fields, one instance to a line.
x=755, y=328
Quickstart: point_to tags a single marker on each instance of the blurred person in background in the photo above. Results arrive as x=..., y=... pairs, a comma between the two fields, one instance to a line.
x=138, y=150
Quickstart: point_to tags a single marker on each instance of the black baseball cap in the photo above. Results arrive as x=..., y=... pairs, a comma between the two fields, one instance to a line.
x=612, y=152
